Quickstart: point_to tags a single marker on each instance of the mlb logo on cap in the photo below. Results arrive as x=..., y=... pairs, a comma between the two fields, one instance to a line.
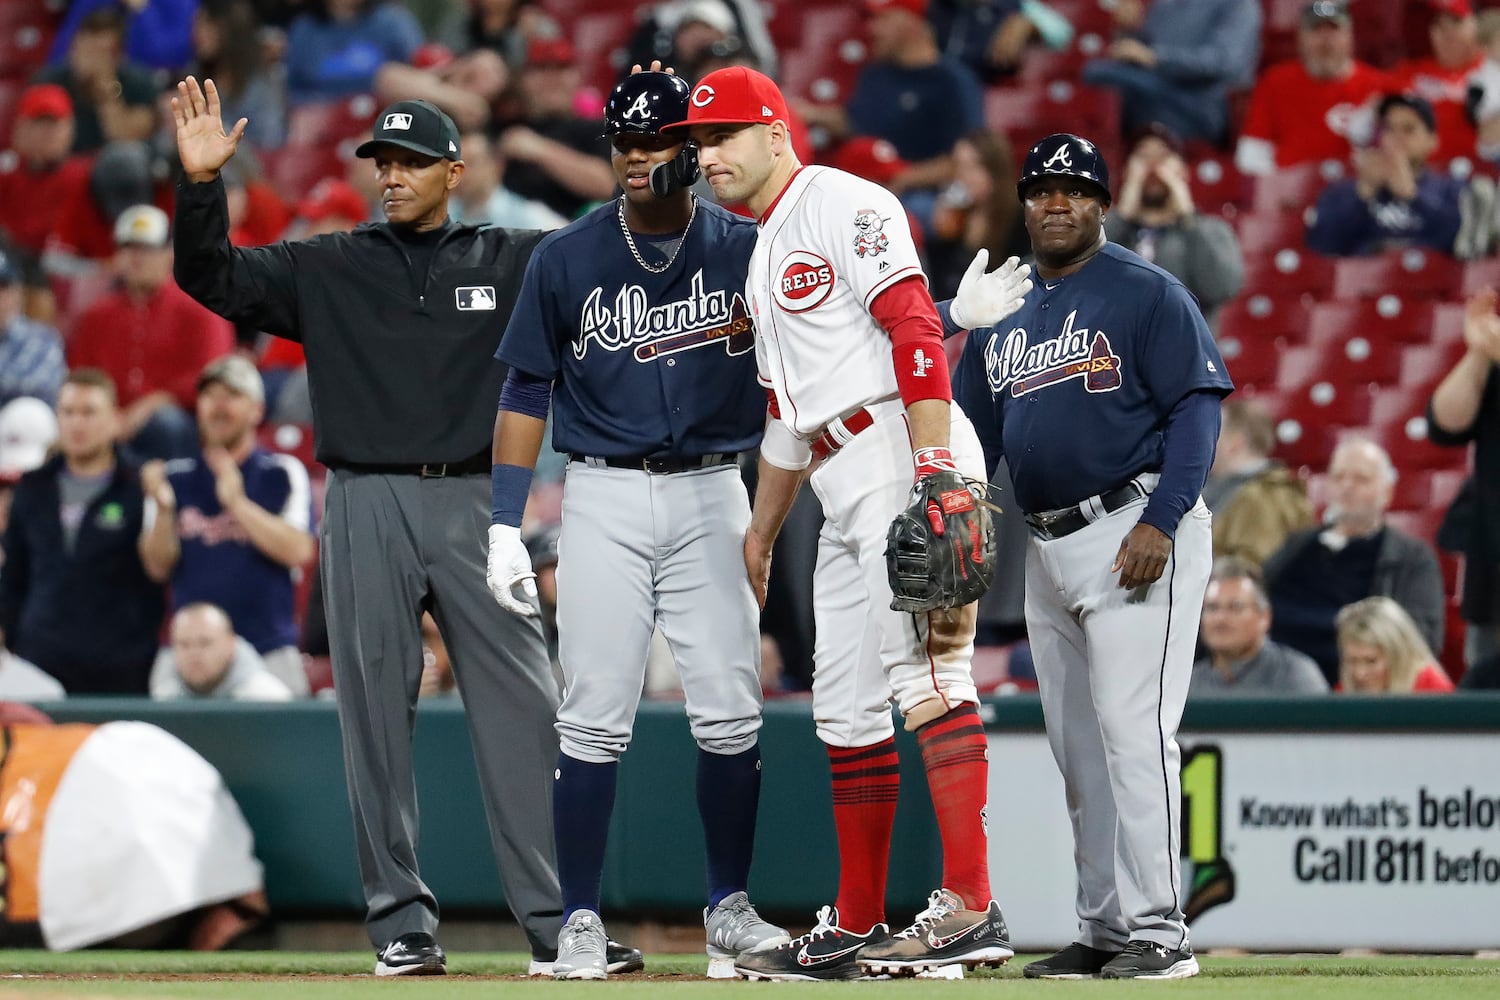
x=398, y=122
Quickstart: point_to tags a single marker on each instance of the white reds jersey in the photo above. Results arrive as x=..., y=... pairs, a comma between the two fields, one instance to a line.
x=828, y=246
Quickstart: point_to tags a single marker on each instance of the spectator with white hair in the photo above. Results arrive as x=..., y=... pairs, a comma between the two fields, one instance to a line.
x=1356, y=554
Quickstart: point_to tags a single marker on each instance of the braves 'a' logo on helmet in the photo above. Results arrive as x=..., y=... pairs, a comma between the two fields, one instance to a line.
x=642, y=103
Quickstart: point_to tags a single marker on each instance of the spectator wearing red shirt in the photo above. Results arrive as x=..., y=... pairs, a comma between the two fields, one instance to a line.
x=151, y=338
x=1381, y=651
x=37, y=174
x=1444, y=79
x=1311, y=108
x=123, y=174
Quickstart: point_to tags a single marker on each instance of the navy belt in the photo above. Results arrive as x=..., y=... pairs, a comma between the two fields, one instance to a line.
x=664, y=465
x=1060, y=523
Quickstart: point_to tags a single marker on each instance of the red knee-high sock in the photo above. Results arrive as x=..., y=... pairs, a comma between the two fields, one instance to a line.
x=866, y=781
x=955, y=752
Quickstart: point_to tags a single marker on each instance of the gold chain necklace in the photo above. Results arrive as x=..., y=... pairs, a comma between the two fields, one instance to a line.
x=630, y=240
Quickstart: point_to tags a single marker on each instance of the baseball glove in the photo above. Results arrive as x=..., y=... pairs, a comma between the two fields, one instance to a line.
x=940, y=550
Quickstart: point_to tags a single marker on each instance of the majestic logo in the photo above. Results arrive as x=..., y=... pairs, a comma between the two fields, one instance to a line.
x=1062, y=157
x=630, y=321
x=923, y=363
x=640, y=109
x=1071, y=354
x=397, y=121
x=869, y=240
x=475, y=298
x=703, y=96
x=805, y=282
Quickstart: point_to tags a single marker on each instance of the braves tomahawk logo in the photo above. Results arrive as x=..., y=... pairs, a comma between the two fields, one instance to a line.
x=701, y=318
x=869, y=236
x=1073, y=353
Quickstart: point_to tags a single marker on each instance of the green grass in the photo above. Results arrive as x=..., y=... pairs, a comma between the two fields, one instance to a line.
x=41, y=975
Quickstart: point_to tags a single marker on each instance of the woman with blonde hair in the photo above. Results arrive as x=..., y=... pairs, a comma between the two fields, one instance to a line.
x=1381, y=651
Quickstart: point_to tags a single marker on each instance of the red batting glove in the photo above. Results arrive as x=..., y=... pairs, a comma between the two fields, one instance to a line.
x=928, y=461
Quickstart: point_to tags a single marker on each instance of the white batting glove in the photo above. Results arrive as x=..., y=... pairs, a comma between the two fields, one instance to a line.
x=510, y=570
x=986, y=299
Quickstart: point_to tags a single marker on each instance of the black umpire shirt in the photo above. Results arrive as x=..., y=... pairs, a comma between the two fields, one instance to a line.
x=400, y=338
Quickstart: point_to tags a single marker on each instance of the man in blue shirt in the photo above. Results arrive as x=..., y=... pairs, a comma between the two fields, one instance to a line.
x=230, y=527
x=31, y=353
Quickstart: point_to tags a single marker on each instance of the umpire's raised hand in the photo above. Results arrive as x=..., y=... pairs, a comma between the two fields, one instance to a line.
x=202, y=144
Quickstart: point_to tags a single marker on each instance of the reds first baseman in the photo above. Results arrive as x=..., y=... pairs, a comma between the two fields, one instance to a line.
x=849, y=347
x=632, y=321
x=1120, y=548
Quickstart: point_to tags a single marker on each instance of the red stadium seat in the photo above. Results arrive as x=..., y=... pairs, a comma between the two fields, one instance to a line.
x=1218, y=186
x=1413, y=490
x=1288, y=272
x=1291, y=189
x=1481, y=274
x=1425, y=365
x=1252, y=363
x=1410, y=452
x=1416, y=273
x=1390, y=319
x=1331, y=404
x=295, y=169
x=290, y=439
x=1264, y=317
x=1267, y=232
x=324, y=123
x=597, y=38
x=1027, y=114
x=1394, y=406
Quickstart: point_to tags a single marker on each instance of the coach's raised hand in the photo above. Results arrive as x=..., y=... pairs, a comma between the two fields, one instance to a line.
x=202, y=144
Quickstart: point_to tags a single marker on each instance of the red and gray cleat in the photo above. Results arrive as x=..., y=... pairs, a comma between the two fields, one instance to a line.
x=944, y=934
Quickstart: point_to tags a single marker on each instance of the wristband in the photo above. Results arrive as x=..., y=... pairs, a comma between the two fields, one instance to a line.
x=509, y=487
x=930, y=460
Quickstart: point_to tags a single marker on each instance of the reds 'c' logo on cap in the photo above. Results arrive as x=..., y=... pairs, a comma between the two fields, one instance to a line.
x=703, y=96
x=805, y=281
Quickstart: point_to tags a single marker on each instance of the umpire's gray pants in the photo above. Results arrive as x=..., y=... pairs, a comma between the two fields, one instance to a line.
x=391, y=546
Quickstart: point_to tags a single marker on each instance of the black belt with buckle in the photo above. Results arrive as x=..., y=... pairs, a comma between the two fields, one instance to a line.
x=664, y=465
x=1062, y=523
x=474, y=465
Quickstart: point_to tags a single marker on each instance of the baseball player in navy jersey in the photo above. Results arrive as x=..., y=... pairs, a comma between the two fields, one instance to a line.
x=632, y=325
x=849, y=346
x=1121, y=543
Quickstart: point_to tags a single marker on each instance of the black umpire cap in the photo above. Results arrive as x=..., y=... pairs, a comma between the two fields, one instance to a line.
x=1065, y=155
x=416, y=125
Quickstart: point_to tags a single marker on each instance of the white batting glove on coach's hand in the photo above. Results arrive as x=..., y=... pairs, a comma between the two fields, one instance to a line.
x=510, y=570
x=986, y=299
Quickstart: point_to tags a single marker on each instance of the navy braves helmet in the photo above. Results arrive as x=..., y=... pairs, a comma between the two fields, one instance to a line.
x=1065, y=155
x=644, y=102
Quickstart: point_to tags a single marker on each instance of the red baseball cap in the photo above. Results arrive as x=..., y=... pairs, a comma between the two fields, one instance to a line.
x=44, y=100
x=333, y=197
x=735, y=95
x=549, y=52
x=871, y=158
x=917, y=7
x=1455, y=8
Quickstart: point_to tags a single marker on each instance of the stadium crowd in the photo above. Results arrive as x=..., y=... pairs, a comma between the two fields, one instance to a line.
x=1319, y=174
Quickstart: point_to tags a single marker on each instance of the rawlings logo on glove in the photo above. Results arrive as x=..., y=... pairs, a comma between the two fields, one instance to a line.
x=940, y=551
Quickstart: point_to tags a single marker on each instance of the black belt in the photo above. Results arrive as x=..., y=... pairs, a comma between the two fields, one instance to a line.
x=474, y=465
x=665, y=465
x=1060, y=523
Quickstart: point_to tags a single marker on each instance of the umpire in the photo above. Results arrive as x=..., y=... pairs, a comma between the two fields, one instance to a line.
x=399, y=321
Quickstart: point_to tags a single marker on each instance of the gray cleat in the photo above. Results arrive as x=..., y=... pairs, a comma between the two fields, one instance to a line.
x=734, y=929
x=580, y=948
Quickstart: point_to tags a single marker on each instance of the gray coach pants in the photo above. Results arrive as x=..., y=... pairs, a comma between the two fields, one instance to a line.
x=393, y=545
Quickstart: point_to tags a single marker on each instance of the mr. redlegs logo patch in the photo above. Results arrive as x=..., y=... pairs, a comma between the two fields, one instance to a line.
x=803, y=281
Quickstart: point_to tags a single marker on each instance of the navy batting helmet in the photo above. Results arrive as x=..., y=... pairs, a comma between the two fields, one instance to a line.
x=644, y=102
x=640, y=105
x=1065, y=155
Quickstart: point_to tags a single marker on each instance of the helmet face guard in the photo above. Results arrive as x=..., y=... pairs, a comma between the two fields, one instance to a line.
x=640, y=105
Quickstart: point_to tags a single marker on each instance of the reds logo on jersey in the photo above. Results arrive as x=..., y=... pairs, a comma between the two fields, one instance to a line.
x=804, y=281
x=869, y=238
x=1071, y=354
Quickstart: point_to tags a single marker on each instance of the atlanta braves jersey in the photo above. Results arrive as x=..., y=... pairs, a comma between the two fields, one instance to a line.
x=828, y=246
x=658, y=362
x=1075, y=387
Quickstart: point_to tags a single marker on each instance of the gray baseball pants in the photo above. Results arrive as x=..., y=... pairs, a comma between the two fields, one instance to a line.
x=393, y=545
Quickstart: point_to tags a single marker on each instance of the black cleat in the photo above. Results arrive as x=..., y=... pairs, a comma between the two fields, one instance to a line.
x=414, y=954
x=1076, y=961
x=827, y=952
x=1149, y=960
